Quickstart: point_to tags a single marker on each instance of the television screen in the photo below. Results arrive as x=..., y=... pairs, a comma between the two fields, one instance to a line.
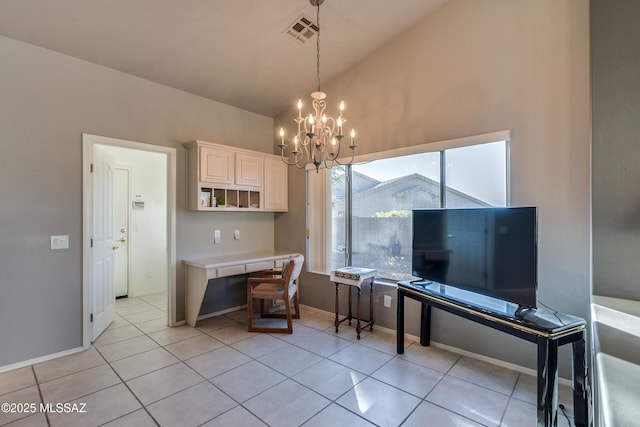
x=492, y=251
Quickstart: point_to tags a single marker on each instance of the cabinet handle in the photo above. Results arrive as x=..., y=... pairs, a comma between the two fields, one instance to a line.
x=114, y=247
x=122, y=239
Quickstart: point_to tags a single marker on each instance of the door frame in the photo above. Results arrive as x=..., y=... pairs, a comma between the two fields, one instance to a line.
x=88, y=141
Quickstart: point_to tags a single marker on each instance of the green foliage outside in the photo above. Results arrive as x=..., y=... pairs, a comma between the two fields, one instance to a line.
x=396, y=213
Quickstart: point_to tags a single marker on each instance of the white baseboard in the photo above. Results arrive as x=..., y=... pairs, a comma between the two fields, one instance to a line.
x=453, y=349
x=39, y=359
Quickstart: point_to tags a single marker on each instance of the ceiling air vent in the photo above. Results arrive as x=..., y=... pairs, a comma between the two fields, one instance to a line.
x=302, y=29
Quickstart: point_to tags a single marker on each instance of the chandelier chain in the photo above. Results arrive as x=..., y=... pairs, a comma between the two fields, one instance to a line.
x=318, y=46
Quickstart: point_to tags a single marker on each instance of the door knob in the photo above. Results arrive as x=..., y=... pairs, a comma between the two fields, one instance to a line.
x=122, y=239
x=114, y=247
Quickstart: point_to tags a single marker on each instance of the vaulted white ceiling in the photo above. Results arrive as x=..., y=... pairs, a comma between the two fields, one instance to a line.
x=233, y=51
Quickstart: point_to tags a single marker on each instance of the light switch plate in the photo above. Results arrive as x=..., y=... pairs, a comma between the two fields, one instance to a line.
x=236, y=234
x=216, y=236
x=59, y=242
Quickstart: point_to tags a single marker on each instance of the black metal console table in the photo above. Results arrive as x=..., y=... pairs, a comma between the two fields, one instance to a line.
x=548, y=329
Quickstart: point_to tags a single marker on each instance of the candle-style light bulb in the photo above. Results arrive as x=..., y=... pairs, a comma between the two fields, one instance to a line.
x=295, y=144
x=282, y=132
x=282, y=137
x=353, y=137
x=300, y=108
x=341, y=106
x=324, y=118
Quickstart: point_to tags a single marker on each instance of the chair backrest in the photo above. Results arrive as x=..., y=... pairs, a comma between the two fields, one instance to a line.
x=298, y=262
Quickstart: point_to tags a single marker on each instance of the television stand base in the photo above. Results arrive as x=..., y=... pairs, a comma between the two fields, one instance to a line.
x=547, y=329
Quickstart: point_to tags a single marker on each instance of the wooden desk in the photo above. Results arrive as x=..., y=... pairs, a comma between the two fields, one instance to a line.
x=197, y=273
x=548, y=329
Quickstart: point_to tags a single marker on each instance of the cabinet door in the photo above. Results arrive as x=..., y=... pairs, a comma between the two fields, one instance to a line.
x=216, y=165
x=276, y=197
x=249, y=169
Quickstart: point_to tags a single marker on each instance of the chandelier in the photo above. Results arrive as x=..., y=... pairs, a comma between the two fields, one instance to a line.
x=319, y=137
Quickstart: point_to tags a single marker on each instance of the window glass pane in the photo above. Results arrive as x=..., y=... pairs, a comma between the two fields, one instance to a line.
x=476, y=176
x=384, y=193
x=337, y=241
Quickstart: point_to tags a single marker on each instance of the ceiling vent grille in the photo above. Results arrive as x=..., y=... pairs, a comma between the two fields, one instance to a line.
x=302, y=29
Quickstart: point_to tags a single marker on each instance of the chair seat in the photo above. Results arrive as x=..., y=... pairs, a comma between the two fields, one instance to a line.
x=272, y=291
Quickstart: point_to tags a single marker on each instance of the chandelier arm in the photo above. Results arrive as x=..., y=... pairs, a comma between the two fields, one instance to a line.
x=284, y=159
x=353, y=154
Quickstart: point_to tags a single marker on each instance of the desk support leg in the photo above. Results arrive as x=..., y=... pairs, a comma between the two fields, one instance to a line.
x=425, y=324
x=547, y=382
x=400, y=324
x=371, y=305
x=337, y=322
x=358, y=328
x=580, y=401
x=350, y=316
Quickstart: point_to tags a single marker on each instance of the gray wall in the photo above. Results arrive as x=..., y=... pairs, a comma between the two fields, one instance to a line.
x=47, y=101
x=615, y=65
x=471, y=68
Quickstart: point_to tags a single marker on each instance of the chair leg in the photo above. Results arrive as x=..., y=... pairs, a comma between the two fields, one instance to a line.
x=296, y=306
x=249, y=313
x=262, y=308
x=287, y=309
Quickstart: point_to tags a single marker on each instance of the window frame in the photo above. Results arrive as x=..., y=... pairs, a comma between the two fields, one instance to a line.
x=318, y=187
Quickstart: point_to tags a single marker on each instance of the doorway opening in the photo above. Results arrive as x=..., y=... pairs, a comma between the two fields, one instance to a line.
x=128, y=226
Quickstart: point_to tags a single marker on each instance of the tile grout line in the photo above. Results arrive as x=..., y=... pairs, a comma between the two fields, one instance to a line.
x=46, y=415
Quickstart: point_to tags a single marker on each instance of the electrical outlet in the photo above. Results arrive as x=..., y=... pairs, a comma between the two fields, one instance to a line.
x=387, y=300
x=216, y=236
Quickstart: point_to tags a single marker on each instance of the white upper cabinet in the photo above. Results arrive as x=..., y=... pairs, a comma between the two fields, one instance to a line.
x=216, y=164
x=220, y=177
x=275, y=185
x=249, y=169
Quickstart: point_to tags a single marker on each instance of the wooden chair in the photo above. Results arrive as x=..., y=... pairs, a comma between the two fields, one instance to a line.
x=281, y=285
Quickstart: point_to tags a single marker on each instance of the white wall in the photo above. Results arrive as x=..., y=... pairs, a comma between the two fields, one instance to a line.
x=475, y=67
x=148, y=230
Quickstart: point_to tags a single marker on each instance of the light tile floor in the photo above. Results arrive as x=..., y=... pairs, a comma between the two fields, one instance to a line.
x=141, y=373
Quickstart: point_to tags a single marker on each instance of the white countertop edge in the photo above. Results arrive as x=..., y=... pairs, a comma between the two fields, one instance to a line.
x=235, y=259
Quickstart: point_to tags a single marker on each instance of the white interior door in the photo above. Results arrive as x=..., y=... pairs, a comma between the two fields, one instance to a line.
x=121, y=199
x=104, y=247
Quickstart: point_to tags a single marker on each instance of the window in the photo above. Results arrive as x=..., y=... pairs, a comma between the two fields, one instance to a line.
x=368, y=220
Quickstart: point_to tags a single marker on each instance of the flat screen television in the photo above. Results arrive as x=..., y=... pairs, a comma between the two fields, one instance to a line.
x=492, y=251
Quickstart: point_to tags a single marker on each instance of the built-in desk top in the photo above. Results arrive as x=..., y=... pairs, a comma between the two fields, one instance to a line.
x=547, y=322
x=235, y=259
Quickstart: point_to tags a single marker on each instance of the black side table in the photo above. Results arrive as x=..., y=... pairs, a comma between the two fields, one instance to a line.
x=548, y=329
